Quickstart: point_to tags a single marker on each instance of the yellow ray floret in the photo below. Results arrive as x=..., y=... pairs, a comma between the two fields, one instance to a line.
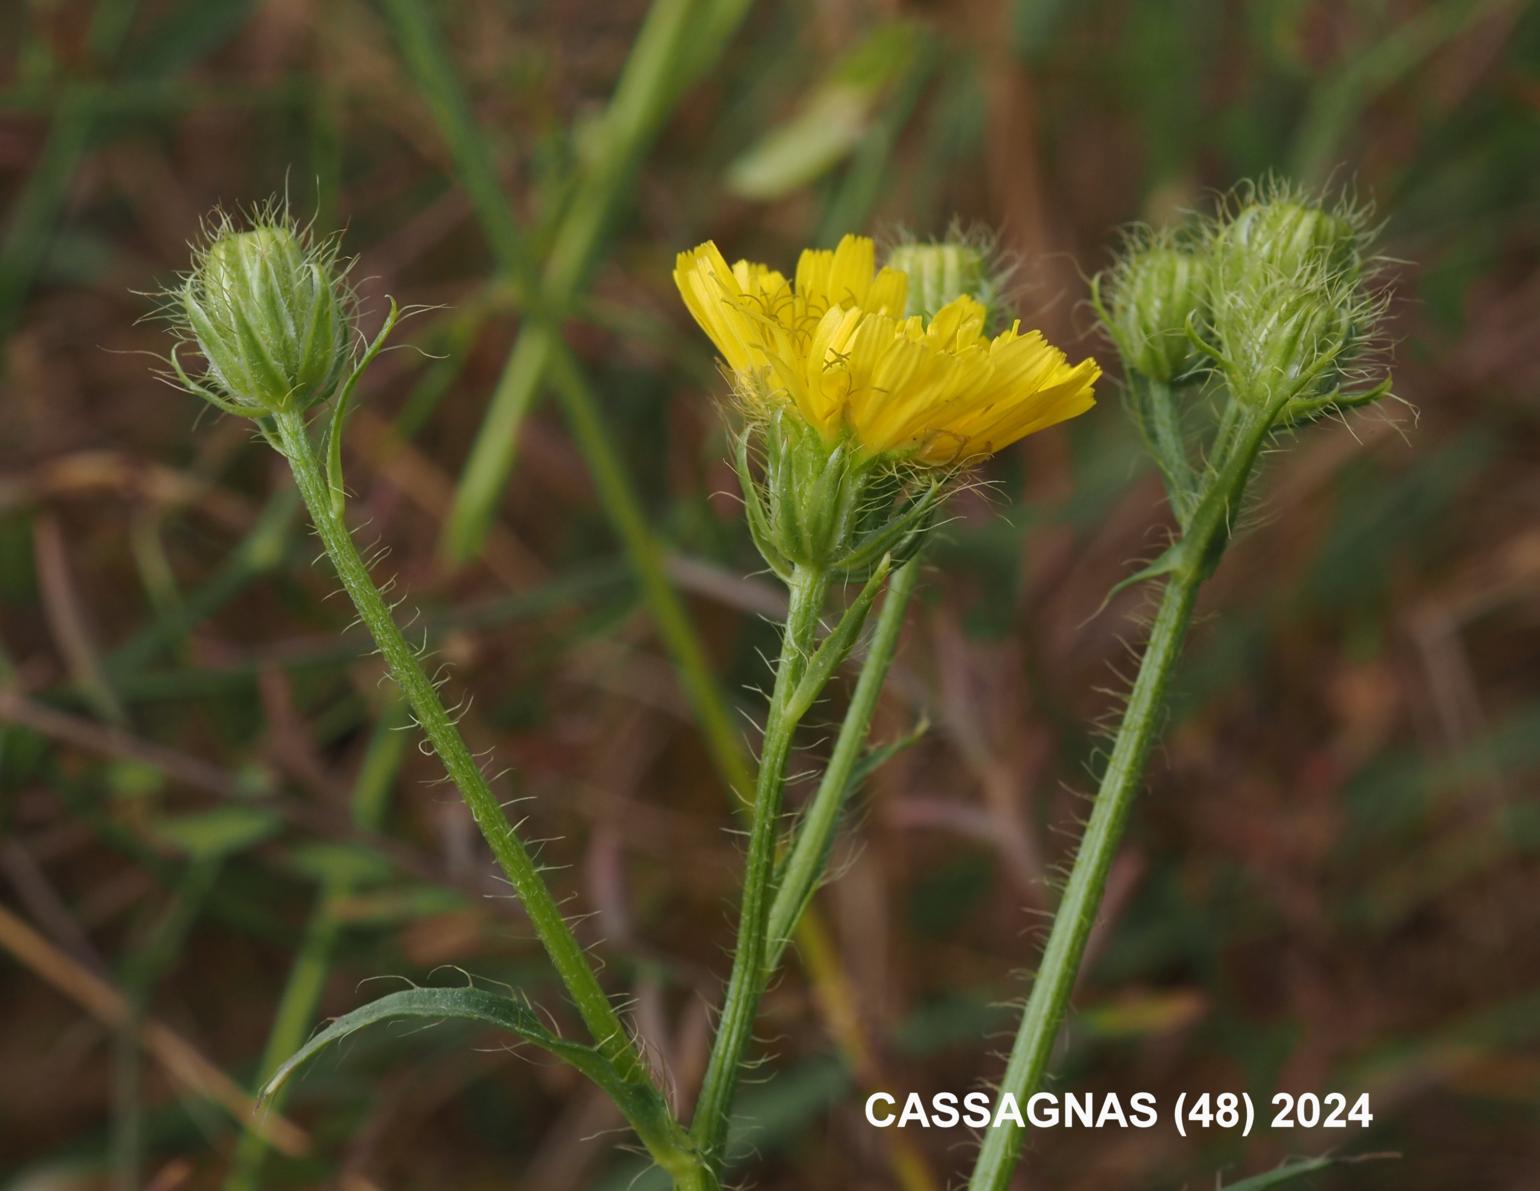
x=834, y=343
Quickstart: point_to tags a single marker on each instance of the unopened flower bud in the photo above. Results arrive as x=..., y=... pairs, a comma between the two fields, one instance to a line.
x=1286, y=238
x=1153, y=293
x=943, y=272
x=271, y=313
x=1287, y=340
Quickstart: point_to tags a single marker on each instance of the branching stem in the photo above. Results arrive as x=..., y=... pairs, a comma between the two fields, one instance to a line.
x=803, y=866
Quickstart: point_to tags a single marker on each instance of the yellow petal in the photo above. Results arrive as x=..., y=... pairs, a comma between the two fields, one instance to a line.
x=834, y=344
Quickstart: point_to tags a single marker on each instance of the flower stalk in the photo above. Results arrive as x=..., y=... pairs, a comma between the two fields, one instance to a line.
x=1268, y=307
x=670, y=1150
x=1192, y=561
x=802, y=867
x=808, y=586
x=864, y=391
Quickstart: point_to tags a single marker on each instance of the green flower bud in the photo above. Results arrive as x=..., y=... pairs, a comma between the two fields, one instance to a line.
x=1286, y=340
x=1286, y=238
x=943, y=272
x=272, y=315
x=1153, y=292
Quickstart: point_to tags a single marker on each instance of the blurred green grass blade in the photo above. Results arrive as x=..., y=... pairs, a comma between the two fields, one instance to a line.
x=639, y=99
x=185, y=33
x=606, y=578
x=1337, y=98
x=670, y=618
x=217, y=831
x=642, y=99
x=262, y=549
x=855, y=200
x=427, y=54
x=36, y=211
x=301, y=997
x=1294, y=1168
x=1036, y=26
x=832, y=121
x=490, y=463
x=139, y=973
x=827, y=129
x=33, y=217
x=713, y=28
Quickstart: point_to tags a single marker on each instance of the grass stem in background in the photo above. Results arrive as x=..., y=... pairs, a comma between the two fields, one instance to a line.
x=641, y=102
x=540, y=347
x=295, y=1016
x=26, y=241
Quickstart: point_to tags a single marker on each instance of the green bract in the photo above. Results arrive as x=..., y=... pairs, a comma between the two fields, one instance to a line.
x=828, y=509
x=835, y=509
x=1283, y=339
x=272, y=315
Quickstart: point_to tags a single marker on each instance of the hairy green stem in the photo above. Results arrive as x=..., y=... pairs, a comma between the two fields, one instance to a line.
x=1193, y=561
x=1087, y=880
x=567, y=956
x=804, y=865
x=747, y=982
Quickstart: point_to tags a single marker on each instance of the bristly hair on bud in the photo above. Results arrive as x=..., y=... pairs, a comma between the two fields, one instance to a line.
x=1277, y=293
x=1296, y=299
x=1149, y=299
x=1281, y=227
x=268, y=305
x=967, y=260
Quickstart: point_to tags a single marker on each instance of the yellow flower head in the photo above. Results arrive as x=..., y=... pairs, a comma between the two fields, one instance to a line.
x=834, y=344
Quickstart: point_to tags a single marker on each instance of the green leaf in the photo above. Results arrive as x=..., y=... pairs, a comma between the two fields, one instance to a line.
x=358, y=864
x=469, y=1004
x=876, y=758
x=643, y=1107
x=340, y=412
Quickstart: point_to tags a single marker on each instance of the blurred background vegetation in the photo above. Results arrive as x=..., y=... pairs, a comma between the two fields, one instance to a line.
x=210, y=833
